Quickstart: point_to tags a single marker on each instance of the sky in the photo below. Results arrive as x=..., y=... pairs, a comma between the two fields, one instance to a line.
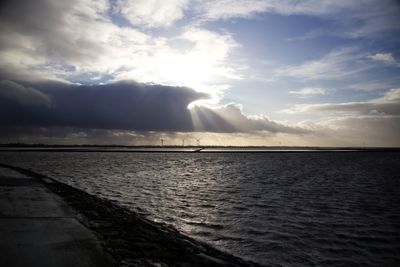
x=218, y=72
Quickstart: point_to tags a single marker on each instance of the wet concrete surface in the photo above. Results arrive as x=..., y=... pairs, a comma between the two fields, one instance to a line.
x=37, y=228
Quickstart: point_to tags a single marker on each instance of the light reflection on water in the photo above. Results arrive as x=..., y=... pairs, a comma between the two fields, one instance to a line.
x=292, y=209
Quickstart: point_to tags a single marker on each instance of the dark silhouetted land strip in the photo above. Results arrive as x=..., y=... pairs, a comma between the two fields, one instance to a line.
x=186, y=149
x=133, y=240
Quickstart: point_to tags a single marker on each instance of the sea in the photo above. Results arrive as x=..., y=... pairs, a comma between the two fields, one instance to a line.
x=305, y=208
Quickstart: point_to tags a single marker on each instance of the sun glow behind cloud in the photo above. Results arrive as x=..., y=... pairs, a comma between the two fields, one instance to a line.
x=203, y=64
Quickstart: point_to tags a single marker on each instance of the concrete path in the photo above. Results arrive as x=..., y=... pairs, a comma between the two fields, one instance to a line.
x=38, y=229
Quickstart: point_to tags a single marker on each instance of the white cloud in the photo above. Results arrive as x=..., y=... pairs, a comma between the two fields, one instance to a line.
x=386, y=58
x=202, y=65
x=366, y=131
x=337, y=64
x=354, y=18
x=372, y=15
x=310, y=91
x=226, y=9
x=229, y=118
x=80, y=42
x=387, y=105
x=152, y=13
x=79, y=39
x=371, y=123
x=372, y=86
x=392, y=96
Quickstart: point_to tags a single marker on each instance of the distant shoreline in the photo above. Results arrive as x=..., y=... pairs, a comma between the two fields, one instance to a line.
x=188, y=149
x=38, y=145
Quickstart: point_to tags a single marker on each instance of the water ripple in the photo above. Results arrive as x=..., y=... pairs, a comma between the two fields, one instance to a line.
x=312, y=209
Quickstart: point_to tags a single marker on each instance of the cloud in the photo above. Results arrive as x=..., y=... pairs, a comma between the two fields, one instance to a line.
x=152, y=13
x=375, y=122
x=386, y=58
x=74, y=136
x=200, y=64
x=373, y=85
x=226, y=9
x=136, y=113
x=337, y=64
x=388, y=104
x=122, y=106
x=79, y=42
x=230, y=119
x=48, y=31
x=15, y=93
x=364, y=131
x=392, y=96
x=52, y=38
x=355, y=131
x=354, y=18
x=310, y=91
x=82, y=42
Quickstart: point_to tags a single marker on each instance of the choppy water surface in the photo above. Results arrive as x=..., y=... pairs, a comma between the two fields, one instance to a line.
x=289, y=209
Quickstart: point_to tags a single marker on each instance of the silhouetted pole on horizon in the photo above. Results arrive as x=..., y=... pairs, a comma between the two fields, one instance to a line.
x=162, y=142
x=183, y=142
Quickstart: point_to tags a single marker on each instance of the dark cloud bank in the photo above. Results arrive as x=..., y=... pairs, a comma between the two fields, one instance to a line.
x=120, y=106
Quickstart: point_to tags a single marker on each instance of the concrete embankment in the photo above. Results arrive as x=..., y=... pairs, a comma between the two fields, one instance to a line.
x=37, y=228
x=68, y=227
